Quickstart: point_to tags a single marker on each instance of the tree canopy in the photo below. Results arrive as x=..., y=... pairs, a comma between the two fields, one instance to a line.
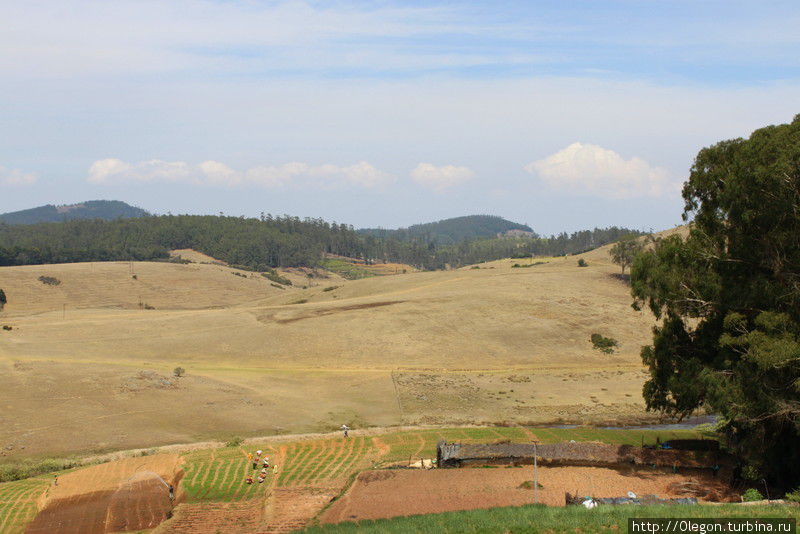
x=729, y=297
x=625, y=250
x=265, y=242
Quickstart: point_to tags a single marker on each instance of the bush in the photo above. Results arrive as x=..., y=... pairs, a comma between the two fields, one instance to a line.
x=752, y=495
x=234, y=441
x=50, y=281
x=793, y=496
x=27, y=469
x=6, y=327
x=179, y=371
x=278, y=286
x=272, y=275
x=582, y=263
x=331, y=288
x=3, y=300
x=604, y=344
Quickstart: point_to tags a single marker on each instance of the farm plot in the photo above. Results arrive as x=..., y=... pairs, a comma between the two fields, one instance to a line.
x=18, y=503
x=415, y=444
x=325, y=461
x=219, y=475
x=612, y=436
x=84, y=498
x=390, y=493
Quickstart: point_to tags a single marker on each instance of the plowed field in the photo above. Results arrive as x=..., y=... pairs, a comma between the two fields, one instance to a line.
x=390, y=493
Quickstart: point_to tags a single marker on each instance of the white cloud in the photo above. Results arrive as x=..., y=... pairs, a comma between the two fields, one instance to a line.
x=215, y=173
x=594, y=170
x=16, y=177
x=440, y=178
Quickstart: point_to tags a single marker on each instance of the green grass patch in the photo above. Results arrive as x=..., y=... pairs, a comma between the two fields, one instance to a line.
x=347, y=270
x=551, y=520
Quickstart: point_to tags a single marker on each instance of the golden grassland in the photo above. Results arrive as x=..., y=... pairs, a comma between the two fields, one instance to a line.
x=88, y=363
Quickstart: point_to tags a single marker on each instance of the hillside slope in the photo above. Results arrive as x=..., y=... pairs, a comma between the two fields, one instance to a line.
x=92, y=209
x=491, y=344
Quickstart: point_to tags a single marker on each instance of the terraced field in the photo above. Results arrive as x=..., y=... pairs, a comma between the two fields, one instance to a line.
x=18, y=503
x=218, y=475
x=309, y=473
x=315, y=462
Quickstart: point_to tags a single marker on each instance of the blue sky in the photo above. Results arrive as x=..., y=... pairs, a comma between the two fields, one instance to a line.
x=563, y=115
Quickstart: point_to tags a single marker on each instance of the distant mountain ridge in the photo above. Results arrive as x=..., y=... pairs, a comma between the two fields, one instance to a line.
x=455, y=230
x=108, y=210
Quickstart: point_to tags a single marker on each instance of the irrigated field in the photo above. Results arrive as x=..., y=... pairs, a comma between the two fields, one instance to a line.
x=499, y=344
x=213, y=491
x=18, y=503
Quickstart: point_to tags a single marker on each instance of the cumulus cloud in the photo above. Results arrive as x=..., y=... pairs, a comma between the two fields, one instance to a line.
x=215, y=173
x=442, y=177
x=16, y=177
x=594, y=170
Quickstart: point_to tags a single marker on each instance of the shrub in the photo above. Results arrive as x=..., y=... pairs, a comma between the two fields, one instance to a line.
x=179, y=371
x=582, y=263
x=278, y=286
x=7, y=327
x=272, y=275
x=49, y=280
x=604, y=344
x=793, y=496
x=134, y=277
x=3, y=299
x=752, y=495
x=475, y=267
x=331, y=288
x=27, y=469
x=301, y=301
x=148, y=307
x=234, y=441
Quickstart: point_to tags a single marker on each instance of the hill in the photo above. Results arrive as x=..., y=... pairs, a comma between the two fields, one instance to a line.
x=93, y=209
x=450, y=231
x=484, y=344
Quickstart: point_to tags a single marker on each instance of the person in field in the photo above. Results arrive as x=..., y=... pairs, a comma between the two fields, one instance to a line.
x=266, y=462
x=249, y=479
x=345, y=430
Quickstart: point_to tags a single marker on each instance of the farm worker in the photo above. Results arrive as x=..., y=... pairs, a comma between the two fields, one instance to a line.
x=345, y=429
x=249, y=457
x=275, y=469
x=55, y=480
x=249, y=479
x=264, y=473
x=260, y=479
x=266, y=461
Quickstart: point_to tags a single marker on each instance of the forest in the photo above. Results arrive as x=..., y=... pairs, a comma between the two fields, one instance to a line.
x=266, y=242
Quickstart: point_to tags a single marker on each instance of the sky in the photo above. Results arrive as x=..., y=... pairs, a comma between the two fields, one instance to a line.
x=561, y=115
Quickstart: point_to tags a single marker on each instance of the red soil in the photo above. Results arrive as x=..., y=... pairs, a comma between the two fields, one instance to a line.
x=124, y=495
x=390, y=493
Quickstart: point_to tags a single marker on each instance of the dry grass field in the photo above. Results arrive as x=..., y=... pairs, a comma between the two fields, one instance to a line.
x=88, y=364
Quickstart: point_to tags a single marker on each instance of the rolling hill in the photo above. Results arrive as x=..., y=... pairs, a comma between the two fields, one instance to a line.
x=92, y=209
x=489, y=343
